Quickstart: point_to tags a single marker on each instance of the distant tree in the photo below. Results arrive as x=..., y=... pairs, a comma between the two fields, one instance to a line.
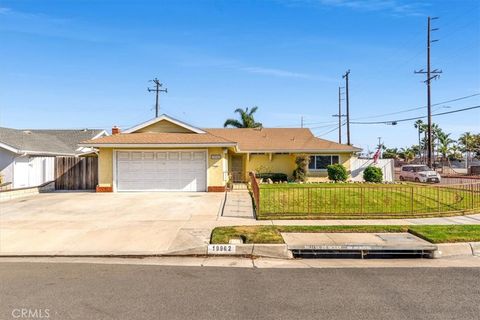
x=246, y=119
x=444, y=142
x=407, y=154
x=455, y=153
x=391, y=153
x=421, y=128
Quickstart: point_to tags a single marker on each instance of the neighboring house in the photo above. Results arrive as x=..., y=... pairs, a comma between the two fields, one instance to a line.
x=27, y=157
x=165, y=154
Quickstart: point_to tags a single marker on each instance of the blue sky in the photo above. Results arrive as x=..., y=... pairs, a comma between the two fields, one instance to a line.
x=76, y=64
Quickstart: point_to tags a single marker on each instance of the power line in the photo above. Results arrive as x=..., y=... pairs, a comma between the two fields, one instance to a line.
x=324, y=126
x=419, y=108
x=334, y=129
x=392, y=113
x=394, y=122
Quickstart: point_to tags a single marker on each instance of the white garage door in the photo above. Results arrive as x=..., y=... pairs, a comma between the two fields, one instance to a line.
x=161, y=171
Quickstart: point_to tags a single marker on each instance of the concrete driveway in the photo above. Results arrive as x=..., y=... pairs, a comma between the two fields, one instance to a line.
x=85, y=223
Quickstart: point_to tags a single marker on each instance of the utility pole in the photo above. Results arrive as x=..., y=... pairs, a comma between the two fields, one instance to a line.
x=157, y=90
x=428, y=81
x=347, y=98
x=301, y=122
x=339, y=115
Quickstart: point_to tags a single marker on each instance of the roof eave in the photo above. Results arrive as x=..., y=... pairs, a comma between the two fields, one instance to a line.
x=158, y=145
x=9, y=148
x=49, y=153
x=300, y=150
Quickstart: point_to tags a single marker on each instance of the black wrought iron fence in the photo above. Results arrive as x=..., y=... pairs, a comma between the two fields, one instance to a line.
x=309, y=200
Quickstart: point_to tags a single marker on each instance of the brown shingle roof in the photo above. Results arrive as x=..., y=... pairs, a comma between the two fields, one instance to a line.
x=279, y=139
x=159, y=138
x=247, y=140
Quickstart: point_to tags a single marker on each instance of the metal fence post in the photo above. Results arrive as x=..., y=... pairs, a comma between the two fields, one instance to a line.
x=472, y=196
x=438, y=199
x=361, y=199
x=411, y=199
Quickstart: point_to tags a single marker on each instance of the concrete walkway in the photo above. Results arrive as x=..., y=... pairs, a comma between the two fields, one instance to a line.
x=238, y=204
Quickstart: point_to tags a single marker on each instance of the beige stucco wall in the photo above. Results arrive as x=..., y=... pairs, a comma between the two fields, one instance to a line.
x=164, y=126
x=105, y=167
x=285, y=163
x=279, y=163
x=215, y=176
x=215, y=168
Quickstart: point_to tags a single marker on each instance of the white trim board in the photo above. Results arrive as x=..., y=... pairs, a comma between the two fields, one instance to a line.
x=159, y=145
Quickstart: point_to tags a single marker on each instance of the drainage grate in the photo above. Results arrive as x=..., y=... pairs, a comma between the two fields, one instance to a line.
x=361, y=254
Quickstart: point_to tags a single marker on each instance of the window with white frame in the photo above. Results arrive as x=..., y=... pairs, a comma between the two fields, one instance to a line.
x=318, y=162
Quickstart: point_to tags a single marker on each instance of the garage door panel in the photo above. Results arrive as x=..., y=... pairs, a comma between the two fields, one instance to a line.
x=161, y=170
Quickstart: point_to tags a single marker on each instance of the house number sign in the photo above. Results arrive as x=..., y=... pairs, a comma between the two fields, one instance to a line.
x=215, y=156
x=221, y=248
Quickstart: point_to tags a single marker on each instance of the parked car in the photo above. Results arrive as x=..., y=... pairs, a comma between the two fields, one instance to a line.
x=419, y=173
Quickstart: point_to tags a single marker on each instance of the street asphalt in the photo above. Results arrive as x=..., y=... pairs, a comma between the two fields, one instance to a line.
x=103, y=291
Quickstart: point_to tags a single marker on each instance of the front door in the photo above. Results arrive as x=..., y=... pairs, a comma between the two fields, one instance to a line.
x=237, y=169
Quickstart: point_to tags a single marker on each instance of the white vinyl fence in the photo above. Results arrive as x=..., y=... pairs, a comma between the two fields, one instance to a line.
x=358, y=165
x=33, y=171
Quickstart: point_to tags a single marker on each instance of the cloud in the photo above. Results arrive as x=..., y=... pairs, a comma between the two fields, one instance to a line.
x=4, y=10
x=397, y=7
x=276, y=72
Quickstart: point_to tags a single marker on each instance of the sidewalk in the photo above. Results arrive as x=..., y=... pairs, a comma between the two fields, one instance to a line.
x=467, y=219
x=197, y=245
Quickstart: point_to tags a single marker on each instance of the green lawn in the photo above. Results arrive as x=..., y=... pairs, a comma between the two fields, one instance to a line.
x=326, y=201
x=271, y=234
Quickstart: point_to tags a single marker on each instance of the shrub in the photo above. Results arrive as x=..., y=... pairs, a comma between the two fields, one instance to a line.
x=373, y=174
x=276, y=177
x=337, y=172
x=300, y=173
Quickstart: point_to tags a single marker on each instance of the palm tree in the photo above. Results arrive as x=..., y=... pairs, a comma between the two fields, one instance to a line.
x=247, y=119
x=420, y=126
x=407, y=154
x=467, y=140
x=455, y=153
x=390, y=153
x=444, y=142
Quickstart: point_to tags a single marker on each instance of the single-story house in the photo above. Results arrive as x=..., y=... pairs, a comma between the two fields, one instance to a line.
x=27, y=157
x=166, y=154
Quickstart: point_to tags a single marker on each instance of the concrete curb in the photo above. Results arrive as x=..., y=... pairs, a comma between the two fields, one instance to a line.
x=276, y=251
x=457, y=249
x=475, y=248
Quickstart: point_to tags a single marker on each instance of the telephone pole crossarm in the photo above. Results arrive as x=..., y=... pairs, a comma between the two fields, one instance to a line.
x=157, y=90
